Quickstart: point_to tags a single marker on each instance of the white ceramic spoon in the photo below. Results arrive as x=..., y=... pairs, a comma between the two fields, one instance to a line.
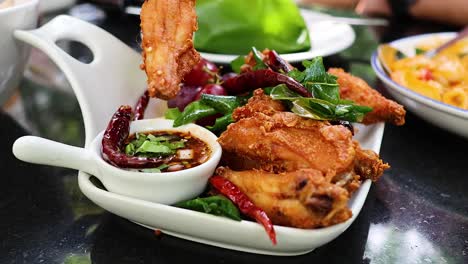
x=164, y=188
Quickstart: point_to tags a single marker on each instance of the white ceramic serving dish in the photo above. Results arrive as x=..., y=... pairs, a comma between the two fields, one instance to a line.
x=448, y=117
x=114, y=78
x=164, y=188
x=327, y=38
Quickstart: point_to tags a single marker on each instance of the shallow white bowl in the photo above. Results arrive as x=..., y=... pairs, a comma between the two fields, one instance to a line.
x=113, y=78
x=448, y=117
x=164, y=188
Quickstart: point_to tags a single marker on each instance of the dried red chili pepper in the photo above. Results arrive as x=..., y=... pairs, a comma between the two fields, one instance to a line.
x=276, y=63
x=262, y=78
x=245, y=205
x=141, y=106
x=113, y=142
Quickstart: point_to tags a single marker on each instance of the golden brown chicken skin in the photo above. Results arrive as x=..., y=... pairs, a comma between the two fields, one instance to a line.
x=302, y=198
x=357, y=90
x=266, y=138
x=168, y=53
x=287, y=142
x=258, y=103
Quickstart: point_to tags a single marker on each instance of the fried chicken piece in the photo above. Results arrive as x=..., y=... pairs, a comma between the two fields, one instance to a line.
x=287, y=142
x=303, y=198
x=368, y=165
x=357, y=90
x=168, y=53
x=258, y=103
x=267, y=138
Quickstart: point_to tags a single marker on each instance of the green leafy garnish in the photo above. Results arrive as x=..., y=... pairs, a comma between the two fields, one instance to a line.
x=326, y=103
x=259, y=64
x=237, y=63
x=172, y=113
x=150, y=145
x=153, y=147
x=215, y=205
x=209, y=105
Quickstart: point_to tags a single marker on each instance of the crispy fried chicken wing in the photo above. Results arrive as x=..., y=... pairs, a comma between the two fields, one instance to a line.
x=302, y=198
x=266, y=138
x=258, y=103
x=357, y=90
x=168, y=53
x=287, y=142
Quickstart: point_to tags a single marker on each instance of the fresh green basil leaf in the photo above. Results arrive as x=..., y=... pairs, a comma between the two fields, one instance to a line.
x=237, y=63
x=175, y=145
x=138, y=141
x=301, y=109
x=215, y=205
x=130, y=149
x=259, y=64
x=153, y=147
x=221, y=123
x=222, y=104
x=194, y=111
x=315, y=79
x=172, y=113
x=282, y=92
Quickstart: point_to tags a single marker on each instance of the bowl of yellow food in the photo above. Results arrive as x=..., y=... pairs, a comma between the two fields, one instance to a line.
x=434, y=88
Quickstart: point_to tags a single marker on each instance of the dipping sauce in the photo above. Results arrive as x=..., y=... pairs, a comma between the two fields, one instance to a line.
x=181, y=149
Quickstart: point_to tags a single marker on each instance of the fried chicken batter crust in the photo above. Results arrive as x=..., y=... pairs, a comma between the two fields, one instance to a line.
x=302, y=199
x=287, y=142
x=168, y=53
x=357, y=90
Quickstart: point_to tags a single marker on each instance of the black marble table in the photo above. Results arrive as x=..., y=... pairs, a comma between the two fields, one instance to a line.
x=417, y=213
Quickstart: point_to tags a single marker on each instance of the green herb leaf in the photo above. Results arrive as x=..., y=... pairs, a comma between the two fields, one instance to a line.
x=194, y=111
x=237, y=63
x=319, y=109
x=215, y=205
x=159, y=138
x=130, y=149
x=222, y=104
x=259, y=64
x=315, y=79
x=138, y=141
x=153, y=147
x=172, y=113
x=221, y=123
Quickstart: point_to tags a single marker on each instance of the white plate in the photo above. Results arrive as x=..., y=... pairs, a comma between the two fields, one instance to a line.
x=103, y=85
x=222, y=232
x=327, y=38
x=448, y=117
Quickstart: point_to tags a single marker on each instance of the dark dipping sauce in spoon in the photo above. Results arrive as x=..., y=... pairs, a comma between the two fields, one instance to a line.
x=181, y=150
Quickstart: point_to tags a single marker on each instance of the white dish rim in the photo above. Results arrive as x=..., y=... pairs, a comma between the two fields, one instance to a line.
x=356, y=203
